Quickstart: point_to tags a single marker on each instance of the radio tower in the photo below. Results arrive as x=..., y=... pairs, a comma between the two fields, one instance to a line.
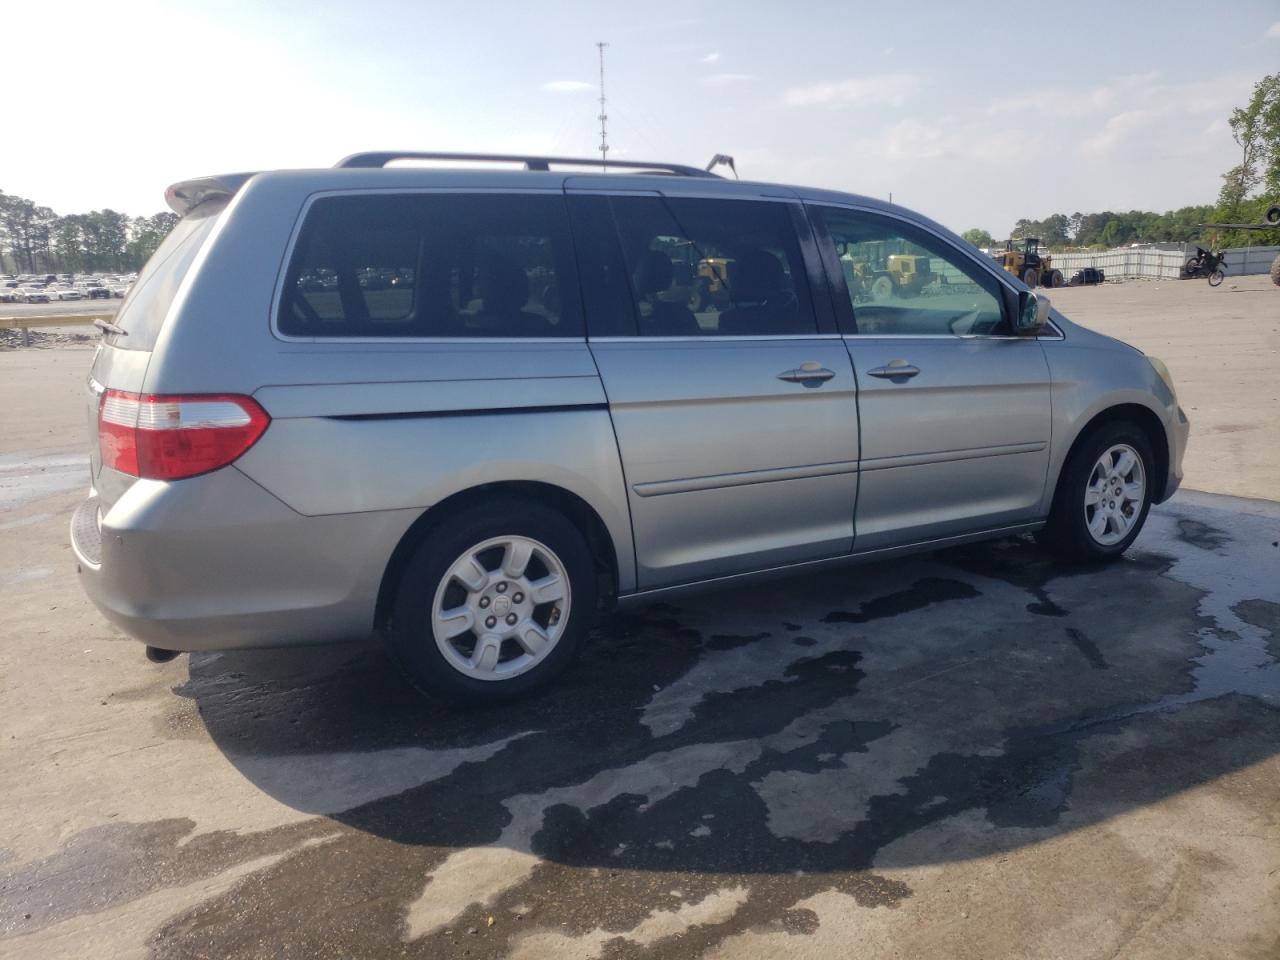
x=604, y=117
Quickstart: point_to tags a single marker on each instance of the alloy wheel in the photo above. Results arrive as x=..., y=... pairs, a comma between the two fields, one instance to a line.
x=1114, y=494
x=501, y=608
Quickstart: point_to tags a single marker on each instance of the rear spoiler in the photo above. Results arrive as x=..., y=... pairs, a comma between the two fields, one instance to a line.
x=186, y=196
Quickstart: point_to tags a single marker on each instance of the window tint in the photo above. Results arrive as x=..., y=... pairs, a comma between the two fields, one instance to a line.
x=713, y=267
x=147, y=304
x=902, y=281
x=420, y=265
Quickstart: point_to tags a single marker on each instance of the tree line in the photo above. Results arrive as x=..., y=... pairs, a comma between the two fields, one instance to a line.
x=1248, y=189
x=34, y=239
x=1108, y=228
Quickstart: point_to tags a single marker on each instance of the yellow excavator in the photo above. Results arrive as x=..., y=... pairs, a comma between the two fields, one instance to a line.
x=1023, y=259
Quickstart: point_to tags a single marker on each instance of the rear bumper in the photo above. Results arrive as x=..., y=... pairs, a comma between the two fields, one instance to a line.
x=216, y=562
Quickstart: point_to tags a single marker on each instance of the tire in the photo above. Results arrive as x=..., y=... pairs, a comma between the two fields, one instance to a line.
x=695, y=299
x=1193, y=264
x=1068, y=532
x=503, y=666
x=1029, y=278
x=1275, y=270
x=881, y=289
x=1215, y=278
x=1273, y=213
x=1056, y=278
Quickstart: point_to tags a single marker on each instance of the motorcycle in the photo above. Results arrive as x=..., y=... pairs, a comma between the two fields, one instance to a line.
x=1208, y=264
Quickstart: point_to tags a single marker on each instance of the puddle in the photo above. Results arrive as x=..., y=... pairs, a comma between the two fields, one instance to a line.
x=23, y=479
x=21, y=522
x=24, y=576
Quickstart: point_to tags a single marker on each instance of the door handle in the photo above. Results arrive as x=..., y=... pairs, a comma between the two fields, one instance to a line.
x=897, y=370
x=809, y=371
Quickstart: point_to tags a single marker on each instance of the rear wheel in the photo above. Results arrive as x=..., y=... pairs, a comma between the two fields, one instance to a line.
x=1103, y=495
x=494, y=602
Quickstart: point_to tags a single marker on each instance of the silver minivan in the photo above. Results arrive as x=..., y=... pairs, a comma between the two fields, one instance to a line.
x=467, y=409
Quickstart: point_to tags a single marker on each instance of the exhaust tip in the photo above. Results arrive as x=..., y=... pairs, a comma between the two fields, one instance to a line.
x=160, y=655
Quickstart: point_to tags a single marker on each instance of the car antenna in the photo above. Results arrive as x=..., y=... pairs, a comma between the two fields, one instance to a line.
x=722, y=158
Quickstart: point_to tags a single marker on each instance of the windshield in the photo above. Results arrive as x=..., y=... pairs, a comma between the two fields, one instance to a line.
x=143, y=312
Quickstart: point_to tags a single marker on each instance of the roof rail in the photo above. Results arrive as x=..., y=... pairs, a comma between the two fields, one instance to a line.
x=382, y=158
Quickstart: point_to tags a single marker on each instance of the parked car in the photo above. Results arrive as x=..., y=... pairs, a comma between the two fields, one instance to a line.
x=95, y=290
x=475, y=461
x=120, y=289
x=31, y=294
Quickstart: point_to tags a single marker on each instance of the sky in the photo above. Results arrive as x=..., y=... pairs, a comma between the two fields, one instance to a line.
x=971, y=118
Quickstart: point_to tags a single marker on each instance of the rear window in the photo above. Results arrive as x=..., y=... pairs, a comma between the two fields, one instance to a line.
x=142, y=314
x=432, y=265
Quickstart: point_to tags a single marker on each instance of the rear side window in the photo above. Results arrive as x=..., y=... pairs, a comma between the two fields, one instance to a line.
x=144, y=309
x=432, y=265
x=705, y=268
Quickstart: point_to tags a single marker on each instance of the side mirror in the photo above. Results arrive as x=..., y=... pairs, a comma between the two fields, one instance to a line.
x=1033, y=313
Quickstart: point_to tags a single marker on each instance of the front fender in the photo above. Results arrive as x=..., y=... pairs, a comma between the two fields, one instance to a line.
x=1091, y=375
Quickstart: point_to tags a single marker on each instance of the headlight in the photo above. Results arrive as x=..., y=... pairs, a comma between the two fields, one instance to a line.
x=1158, y=365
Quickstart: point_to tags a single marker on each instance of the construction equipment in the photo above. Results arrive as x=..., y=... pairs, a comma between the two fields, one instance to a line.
x=874, y=274
x=1027, y=263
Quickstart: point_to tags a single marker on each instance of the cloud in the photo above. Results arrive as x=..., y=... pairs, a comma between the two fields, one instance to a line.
x=725, y=79
x=1273, y=32
x=893, y=89
x=567, y=86
x=714, y=56
x=1116, y=131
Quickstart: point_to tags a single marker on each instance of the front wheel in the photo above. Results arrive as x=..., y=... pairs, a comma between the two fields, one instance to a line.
x=1103, y=495
x=1215, y=278
x=1029, y=277
x=494, y=602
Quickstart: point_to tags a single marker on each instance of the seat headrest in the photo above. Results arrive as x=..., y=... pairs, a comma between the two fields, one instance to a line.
x=756, y=276
x=503, y=285
x=653, y=274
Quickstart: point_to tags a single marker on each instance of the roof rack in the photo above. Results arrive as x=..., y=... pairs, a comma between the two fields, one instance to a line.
x=382, y=158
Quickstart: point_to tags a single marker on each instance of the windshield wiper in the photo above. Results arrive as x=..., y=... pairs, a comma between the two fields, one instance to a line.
x=106, y=326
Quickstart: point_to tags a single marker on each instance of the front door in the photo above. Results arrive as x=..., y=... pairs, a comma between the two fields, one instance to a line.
x=735, y=416
x=955, y=410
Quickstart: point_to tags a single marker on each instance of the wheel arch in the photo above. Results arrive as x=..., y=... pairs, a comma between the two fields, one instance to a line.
x=1145, y=419
x=583, y=515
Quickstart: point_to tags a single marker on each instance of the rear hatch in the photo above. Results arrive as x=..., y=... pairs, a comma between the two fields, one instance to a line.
x=127, y=343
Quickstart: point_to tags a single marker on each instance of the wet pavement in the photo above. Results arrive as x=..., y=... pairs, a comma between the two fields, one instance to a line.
x=977, y=752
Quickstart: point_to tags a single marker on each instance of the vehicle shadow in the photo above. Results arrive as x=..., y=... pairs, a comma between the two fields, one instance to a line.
x=795, y=730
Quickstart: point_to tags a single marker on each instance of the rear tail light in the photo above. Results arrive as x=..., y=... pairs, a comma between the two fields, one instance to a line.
x=168, y=437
